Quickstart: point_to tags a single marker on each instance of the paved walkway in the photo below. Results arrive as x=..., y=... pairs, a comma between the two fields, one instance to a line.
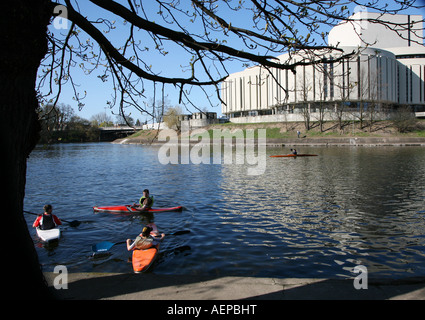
x=129, y=286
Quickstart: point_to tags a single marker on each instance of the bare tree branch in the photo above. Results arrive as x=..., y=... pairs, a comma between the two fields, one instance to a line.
x=207, y=34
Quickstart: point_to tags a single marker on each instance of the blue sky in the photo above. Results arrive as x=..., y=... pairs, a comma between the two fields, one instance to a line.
x=98, y=92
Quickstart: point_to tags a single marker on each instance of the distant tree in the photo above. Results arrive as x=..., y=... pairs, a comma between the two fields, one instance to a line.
x=305, y=107
x=123, y=120
x=56, y=117
x=172, y=118
x=345, y=90
x=64, y=115
x=403, y=118
x=78, y=123
x=157, y=108
x=53, y=119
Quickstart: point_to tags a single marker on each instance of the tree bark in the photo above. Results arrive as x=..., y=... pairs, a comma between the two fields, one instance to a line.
x=23, y=25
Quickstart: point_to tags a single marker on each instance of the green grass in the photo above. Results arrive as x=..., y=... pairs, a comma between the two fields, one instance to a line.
x=271, y=133
x=143, y=133
x=274, y=131
x=420, y=134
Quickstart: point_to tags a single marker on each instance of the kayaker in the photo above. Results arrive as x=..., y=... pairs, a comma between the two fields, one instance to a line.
x=294, y=151
x=148, y=238
x=145, y=201
x=47, y=220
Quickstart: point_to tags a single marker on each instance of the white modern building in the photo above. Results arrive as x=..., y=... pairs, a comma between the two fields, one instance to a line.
x=386, y=71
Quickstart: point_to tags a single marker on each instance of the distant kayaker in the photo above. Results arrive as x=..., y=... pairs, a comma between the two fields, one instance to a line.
x=294, y=151
x=47, y=220
x=148, y=238
x=145, y=201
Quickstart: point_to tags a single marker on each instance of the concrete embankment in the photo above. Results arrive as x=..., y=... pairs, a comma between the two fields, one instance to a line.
x=291, y=134
x=129, y=286
x=350, y=141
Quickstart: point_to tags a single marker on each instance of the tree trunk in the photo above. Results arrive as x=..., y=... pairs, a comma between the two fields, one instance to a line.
x=23, y=24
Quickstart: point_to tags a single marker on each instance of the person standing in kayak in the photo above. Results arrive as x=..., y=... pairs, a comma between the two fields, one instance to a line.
x=47, y=220
x=147, y=239
x=145, y=201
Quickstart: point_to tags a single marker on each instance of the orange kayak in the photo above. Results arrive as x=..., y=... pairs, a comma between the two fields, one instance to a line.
x=294, y=155
x=143, y=259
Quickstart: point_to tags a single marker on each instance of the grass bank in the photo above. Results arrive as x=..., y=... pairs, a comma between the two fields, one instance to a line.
x=288, y=132
x=352, y=129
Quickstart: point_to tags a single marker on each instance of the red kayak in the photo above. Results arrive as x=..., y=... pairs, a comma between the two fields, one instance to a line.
x=294, y=155
x=130, y=209
x=143, y=259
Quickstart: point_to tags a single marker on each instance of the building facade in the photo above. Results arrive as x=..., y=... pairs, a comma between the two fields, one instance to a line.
x=388, y=72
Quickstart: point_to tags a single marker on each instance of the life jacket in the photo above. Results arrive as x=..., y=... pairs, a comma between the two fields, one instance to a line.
x=150, y=203
x=47, y=222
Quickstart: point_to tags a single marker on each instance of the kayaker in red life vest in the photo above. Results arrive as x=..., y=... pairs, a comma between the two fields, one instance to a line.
x=47, y=220
x=145, y=201
x=148, y=238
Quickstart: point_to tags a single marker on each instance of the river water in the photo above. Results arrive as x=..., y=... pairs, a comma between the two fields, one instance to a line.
x=303, y=217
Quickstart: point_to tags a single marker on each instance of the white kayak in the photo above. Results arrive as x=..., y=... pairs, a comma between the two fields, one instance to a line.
x=49, y=235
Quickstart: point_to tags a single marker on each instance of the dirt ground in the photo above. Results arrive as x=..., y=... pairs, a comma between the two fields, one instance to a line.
x=288, y=130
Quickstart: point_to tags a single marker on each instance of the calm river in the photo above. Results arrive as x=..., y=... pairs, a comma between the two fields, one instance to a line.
x=304, y=217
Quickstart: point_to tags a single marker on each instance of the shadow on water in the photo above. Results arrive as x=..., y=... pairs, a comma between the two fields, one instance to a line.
x=159, y=287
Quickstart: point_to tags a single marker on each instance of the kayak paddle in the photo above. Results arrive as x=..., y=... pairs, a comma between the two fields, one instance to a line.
x=73, y=223
x=106, y=245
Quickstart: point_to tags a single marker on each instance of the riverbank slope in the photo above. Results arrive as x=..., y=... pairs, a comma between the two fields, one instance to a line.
x=130, y=286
